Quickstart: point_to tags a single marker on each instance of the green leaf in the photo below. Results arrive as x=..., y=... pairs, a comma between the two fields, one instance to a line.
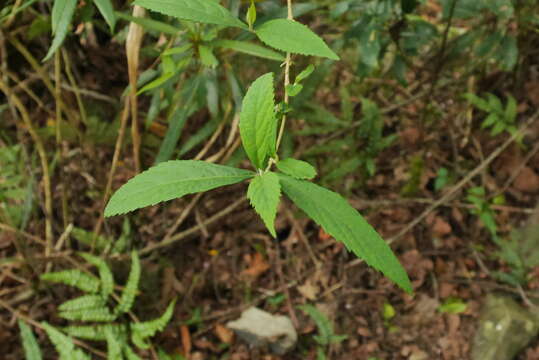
x=344, y=223
x=150, y=24
x=105, y=275
x=75, y=278
x=170, y=180
x=143, y=330
x=101, y=314
x=293, y=89
x=204, y=11
x=511, y=109
x=32, y=351
x=250, y=49
x=131, y=287
x=62, y=13
x=297, y=168
x=453, y=306
x=304, y=74
x=114, y=345
x=264, y=193
x=258, y=123
x=206, y=56
x=96, y=332
x=83, y=303
x=107, y=11
x=64, y=344
x=294, y=37
x=325, y=328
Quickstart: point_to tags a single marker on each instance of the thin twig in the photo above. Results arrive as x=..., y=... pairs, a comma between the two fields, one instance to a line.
x=43, y=159
x=452, y=192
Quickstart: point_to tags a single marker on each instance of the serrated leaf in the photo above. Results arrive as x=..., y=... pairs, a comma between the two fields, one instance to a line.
x=250, y=49
x=129, y=353
x=83, y=302
x=101, y=314
x=264, y=193
x=296, y=168
x=32, y=351
x=293, y=37
x=62, y=13
x=143, y=330
x=105, y=275
x=75, y=278
x=131, y=287
x=95, y=332
x=64, y=344
x=258, y=123
x=114, y=346
x=107, y=11
x=170, y=180
x=204, y=11
x=345, y=224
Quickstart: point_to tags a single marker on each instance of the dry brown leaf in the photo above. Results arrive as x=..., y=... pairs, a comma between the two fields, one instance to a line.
x=257, y=266
x=441, y=227
x=224, y=334
x=309, y=289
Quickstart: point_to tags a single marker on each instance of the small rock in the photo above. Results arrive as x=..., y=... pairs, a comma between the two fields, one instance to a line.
x=505, y=329
x=259, y=328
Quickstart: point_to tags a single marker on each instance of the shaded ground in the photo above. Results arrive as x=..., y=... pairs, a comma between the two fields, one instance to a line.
x=232, y=262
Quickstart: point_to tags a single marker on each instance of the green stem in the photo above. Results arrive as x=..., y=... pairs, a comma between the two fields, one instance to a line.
x=287, y=64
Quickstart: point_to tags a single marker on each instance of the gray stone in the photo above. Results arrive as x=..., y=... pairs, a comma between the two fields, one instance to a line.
x=259, y=329
x=505, y=329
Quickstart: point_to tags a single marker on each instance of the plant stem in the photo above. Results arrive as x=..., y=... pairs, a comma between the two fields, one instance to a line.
x=287, y=64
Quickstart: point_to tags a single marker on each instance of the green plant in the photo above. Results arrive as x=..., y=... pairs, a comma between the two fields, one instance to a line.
x=521, y=253
x=499, y=119
x=326, y=335
x=94, y=306
x=261, y=130
x=16, y=188
x=32, y=351
x=482, y=208
x=453, y=306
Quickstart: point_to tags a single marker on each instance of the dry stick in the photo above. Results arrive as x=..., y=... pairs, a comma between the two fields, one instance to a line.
x=59, y=152
x=521, y=167
x=133, y=42
x=74, y=87
x=115, y=157
x=36, y=324
x=11, y=229
x=194, y=229
x=43, y=158
x=287, y=64
x=40, y=71
x=449, y=195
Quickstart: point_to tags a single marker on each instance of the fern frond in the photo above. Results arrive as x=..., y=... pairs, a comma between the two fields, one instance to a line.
x=64, y=344
x=101, y=314
x=96, y=332
x=130, y=290
x=129, y=353
x=32, y=351
x=107, y=280
x=75, y=278
x=143, y=330
x=114, y=345
x=83, y=302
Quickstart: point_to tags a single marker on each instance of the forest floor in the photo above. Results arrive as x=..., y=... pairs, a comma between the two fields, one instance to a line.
x=228, y=263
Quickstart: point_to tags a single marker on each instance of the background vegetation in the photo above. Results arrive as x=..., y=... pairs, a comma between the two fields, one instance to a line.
x=428, y=124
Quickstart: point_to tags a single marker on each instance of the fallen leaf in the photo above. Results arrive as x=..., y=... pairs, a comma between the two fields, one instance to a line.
x=441, y=227
x=257, y=266
x=224, y=334
x=309, y=290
